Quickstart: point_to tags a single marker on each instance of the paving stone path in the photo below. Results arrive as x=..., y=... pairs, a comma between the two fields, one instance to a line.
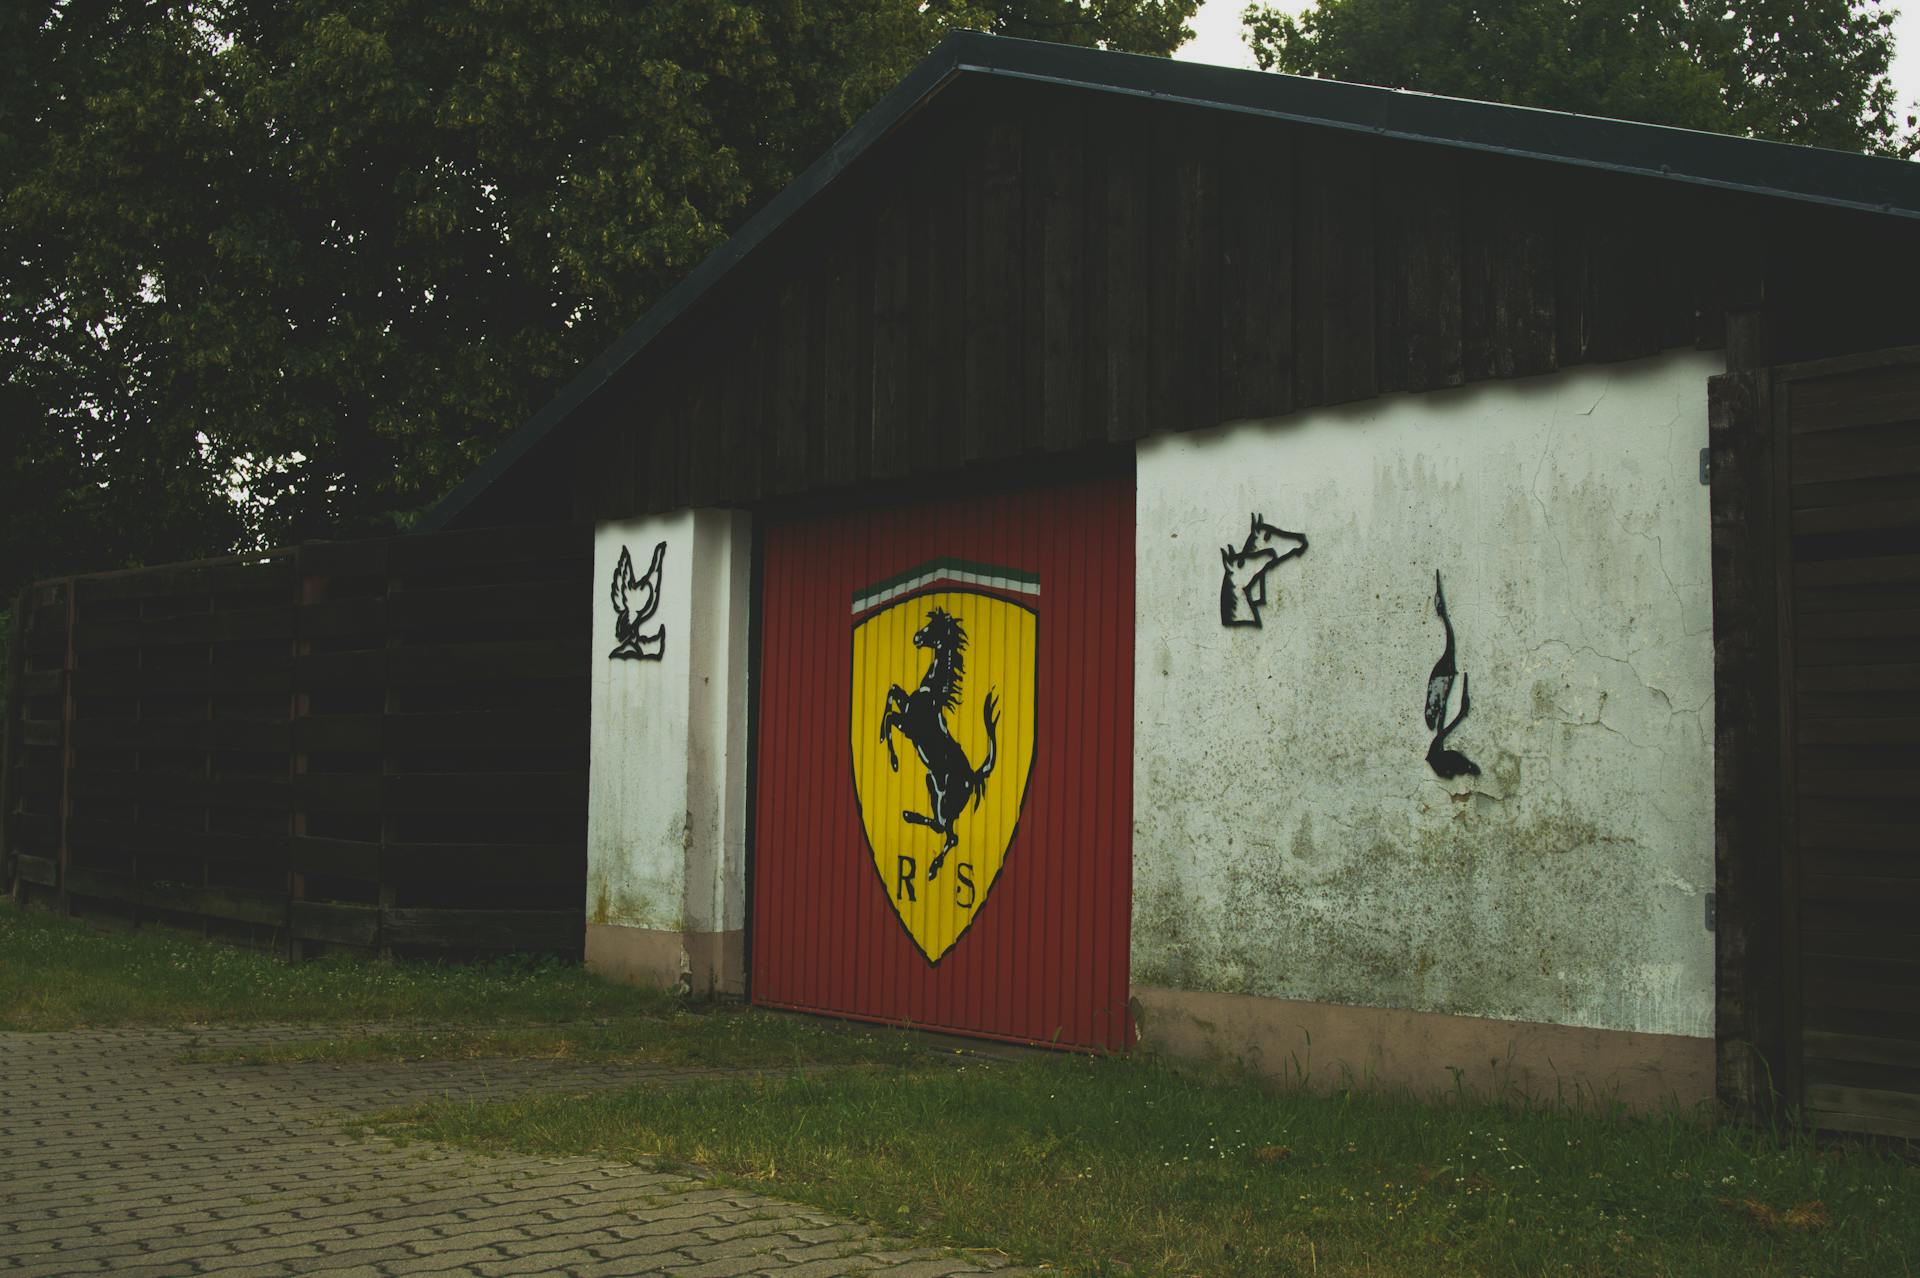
x=117, y=1156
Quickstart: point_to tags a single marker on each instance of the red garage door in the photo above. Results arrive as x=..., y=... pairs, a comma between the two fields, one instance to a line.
x=944, y=784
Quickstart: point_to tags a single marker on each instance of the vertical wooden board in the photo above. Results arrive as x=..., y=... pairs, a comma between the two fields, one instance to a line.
x=699, y=418
x=605, y=467
x=1785, y=807
x=789, y=389
x=1748, y=936
x=1055, y=323
x=846, y=347
x=661, y=453
x=1333, y=264
x=1686, y=264
x=624, y=444
x=1395, y=213
x=1256, y=270
x=1343, y=246
x=742, y=408
x=1622, y=286
x=678, y=394
x=1123, y=276
x=892, y=390
x=1311, y=271
x=1095, y=166
x=1418, y=268
x=1479, y=250
x=1520, y=225
x=994, y=424
x=1186, y=269
x=813, y=412
x=1572, y=189
x=1713, y=210
x=656, y=446
x=942, y=390
x=9, y=744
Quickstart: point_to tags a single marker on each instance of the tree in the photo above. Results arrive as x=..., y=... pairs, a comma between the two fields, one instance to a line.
x=1134, y=26
x=73, y=375
x=325, y=254
x=1806, y=71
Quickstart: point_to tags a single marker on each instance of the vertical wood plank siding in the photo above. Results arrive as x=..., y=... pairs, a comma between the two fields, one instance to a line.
x=1026, y=269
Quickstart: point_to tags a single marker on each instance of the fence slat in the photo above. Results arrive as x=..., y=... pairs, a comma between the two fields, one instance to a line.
x=366, y=744
x=485, y=929
x=15, y=730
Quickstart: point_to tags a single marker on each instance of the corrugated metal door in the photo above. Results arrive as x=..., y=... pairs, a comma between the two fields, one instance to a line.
x=944, y=771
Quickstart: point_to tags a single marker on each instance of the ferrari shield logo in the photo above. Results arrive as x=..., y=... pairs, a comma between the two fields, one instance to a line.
x=942, y=730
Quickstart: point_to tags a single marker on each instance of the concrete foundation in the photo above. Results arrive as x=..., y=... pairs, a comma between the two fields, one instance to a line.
x=703, y=964
x=1328, y=1046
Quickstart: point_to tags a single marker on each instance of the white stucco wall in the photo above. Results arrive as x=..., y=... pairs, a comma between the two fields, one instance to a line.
x=1289, y=837
x=667, y=780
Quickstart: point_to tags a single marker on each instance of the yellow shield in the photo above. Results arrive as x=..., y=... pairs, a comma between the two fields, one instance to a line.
x=942, y=732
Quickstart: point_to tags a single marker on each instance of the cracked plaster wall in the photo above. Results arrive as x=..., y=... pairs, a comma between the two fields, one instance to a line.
x=1289, y=838
x=666, y=790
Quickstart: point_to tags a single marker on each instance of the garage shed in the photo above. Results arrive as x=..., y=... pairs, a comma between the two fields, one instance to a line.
x=1384, y=586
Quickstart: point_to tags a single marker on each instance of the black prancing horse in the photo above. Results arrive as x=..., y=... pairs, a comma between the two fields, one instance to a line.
x=922, y=716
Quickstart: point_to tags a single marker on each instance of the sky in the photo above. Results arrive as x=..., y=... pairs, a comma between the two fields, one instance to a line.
x=1217, y=39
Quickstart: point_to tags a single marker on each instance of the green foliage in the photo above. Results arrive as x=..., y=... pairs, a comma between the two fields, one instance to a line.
x=1127, y=1167
x=1133, y=26
x=327, y=253
x=1806, y=71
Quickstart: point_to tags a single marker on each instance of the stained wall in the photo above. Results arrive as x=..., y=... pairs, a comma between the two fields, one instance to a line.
x=1291, y=839
x=666, y=834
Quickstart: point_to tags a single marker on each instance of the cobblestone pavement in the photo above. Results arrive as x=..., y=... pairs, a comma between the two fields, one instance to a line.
x=118, y=1157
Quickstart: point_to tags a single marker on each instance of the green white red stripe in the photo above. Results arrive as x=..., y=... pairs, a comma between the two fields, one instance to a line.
x=959, y=572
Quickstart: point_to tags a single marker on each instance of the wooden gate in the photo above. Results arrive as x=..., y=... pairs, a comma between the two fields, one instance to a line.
x=1817, y=623
x=944, y=766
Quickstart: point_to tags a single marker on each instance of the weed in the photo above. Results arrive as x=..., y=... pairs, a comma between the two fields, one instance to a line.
x=1106, y=1166
x=57, y=973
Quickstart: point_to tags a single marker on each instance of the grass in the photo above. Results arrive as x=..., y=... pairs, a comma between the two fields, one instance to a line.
x=1107, y=1166
x=58, y=973
x=1100, y=1166
x=699, y=1036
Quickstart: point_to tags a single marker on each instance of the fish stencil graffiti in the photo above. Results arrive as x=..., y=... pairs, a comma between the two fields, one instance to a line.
x=1243, y=581
x=1447, y=764
x=636, y=599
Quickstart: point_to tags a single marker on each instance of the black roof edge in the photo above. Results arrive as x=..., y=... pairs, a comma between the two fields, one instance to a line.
x=1837, y=179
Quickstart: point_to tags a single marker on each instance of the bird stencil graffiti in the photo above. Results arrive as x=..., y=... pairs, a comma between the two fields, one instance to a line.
x=1243, y=583
x=1446, y=764
x=636, y=599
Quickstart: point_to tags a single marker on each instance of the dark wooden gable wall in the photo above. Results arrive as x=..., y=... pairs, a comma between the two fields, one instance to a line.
x=1031, y=274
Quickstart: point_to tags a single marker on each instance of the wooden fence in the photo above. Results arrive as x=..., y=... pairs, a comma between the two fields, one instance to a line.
x=379, y=745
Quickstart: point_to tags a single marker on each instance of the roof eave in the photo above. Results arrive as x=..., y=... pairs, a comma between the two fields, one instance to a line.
x=1811, y=175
